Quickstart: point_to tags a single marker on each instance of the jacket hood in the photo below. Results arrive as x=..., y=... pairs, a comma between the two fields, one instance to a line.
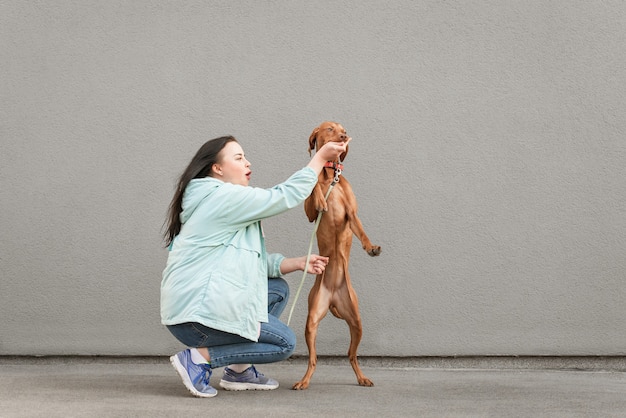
x=197, y=190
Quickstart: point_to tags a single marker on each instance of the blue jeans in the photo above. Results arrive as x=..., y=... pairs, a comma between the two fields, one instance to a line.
x=276, y=342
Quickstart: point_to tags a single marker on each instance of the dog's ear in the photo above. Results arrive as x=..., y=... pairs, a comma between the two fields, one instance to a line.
x=313, y=139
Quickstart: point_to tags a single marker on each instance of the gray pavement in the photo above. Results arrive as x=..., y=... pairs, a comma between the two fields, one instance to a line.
x=149, y=387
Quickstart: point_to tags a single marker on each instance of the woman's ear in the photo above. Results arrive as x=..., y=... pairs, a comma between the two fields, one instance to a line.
x=216, y=170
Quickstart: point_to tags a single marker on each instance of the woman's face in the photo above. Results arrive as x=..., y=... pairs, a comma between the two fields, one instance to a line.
x=233, y=166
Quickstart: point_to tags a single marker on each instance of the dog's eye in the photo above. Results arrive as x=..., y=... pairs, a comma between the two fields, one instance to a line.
x=330, y=129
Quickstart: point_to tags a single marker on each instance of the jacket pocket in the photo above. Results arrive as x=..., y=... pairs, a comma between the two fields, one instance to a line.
x=225, y=298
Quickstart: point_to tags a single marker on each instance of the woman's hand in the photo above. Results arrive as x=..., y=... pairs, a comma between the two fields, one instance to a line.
x=329, y=152
x=317, y=264
x=332, y=150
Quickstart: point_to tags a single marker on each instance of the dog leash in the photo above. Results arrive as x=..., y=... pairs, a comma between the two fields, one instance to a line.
x=338, y=168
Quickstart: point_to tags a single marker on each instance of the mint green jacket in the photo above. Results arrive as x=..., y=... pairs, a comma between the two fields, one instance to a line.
x=217, y=267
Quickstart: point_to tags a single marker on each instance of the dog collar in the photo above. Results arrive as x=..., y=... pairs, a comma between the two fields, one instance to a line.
x=332, y=164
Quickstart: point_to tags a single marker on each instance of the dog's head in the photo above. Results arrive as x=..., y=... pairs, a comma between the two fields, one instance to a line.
x=328, y=132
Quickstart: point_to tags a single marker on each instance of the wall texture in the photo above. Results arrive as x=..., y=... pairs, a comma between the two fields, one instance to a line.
x=488, y=157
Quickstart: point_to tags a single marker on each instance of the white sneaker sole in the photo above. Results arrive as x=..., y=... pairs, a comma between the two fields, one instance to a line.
x=182, y=372
x=234, y=386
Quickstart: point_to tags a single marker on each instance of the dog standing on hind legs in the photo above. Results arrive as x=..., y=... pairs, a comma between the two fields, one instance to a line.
x=332, y=289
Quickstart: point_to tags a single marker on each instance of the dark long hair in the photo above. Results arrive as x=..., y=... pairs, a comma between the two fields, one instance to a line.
x=199, y=167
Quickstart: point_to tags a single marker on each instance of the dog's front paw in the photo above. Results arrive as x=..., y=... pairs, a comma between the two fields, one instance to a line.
x=374, y=250
x=321, y=205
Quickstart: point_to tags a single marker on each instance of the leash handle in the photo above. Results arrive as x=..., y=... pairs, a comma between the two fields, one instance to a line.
x=308, y=256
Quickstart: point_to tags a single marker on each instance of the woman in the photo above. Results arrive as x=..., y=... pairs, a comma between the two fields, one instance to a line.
x=221, y=293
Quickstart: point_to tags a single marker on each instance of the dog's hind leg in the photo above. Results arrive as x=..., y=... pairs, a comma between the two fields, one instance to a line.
x=356, y=332
x=350, y=313
x=319, y=300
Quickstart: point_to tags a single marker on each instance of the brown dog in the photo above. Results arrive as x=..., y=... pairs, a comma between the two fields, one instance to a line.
x=332, y=289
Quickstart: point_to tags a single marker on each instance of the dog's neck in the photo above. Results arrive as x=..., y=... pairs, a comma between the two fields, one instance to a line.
x=332, y=164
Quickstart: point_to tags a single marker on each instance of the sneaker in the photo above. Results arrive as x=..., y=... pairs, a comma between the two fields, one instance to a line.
x=195, y=376
x=249, y=379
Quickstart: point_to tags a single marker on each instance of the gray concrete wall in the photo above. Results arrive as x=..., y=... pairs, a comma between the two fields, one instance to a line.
x=488, y=158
